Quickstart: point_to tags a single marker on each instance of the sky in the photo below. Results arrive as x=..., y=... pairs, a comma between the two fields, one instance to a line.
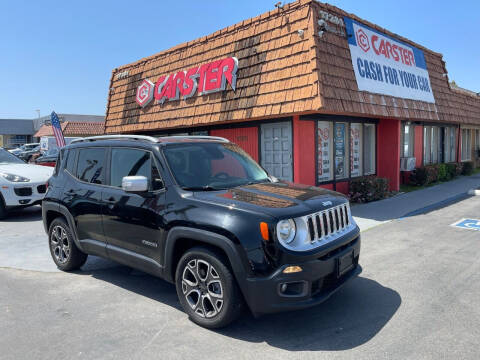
x=58, y=55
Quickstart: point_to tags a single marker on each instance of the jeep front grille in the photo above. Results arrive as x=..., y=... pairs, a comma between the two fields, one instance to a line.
x=327, y=223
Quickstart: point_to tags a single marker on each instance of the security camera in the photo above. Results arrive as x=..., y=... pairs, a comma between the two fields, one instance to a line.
x=279, y=5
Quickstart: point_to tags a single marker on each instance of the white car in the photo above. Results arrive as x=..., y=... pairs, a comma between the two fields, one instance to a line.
x=21, y=184
x=23, y=148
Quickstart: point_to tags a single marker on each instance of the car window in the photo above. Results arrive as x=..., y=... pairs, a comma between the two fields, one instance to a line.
x=129, y=162
x=59, y=161
x=91, y=165
x=71, y=161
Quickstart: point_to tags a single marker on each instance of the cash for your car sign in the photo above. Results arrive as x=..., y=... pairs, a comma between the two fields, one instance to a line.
x=387, y=66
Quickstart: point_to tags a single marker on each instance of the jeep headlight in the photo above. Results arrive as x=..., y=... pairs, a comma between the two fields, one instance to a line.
x=286, y=231
x=14, y=178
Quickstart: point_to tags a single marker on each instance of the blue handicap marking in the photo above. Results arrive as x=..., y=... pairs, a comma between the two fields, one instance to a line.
x=471, y=224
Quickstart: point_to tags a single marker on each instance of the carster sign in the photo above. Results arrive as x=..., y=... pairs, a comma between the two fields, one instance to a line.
x=205, y=79
x=387, y=66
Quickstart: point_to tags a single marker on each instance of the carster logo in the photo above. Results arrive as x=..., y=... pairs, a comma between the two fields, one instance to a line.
x=362, y=40
x=145, y=93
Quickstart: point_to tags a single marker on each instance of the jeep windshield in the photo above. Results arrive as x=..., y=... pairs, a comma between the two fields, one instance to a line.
x=212, y=166
x=8, y=158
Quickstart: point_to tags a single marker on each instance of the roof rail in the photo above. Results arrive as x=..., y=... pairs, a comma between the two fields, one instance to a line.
x=117, y=137
x=196, y=137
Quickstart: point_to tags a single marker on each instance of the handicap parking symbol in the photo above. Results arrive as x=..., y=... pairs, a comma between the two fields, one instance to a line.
x=471, y=224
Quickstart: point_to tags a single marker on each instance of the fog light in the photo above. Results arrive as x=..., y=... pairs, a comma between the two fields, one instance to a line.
x=292, y=269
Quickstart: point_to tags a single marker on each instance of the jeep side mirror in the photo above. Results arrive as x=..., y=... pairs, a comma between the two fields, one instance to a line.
x=135, y=184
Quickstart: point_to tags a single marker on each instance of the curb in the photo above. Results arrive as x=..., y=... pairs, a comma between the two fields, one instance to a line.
x=439, y=204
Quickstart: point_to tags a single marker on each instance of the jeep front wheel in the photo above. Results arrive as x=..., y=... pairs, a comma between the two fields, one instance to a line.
x=207, y=289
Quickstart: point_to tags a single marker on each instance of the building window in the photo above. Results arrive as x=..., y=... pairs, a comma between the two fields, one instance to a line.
x=477, y=141
x=438, y=144
x=324, y=151
x=341, y=149
x=345, y=150
x=356, y=144
x=17, y=140
x=466, y=144
x=408, y=140
x=449, y=144
x=370, y=145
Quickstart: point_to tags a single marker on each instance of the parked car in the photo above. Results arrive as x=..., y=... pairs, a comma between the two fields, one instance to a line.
x=200, y=213
x=23, y=148
x=28, y=154
x=48, y=158
x=21, y=184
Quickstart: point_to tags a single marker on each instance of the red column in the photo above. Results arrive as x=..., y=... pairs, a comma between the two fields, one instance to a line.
x=303, y=151
x=388, y=151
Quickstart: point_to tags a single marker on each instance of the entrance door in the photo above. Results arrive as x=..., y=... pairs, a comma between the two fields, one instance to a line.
x=276, y=144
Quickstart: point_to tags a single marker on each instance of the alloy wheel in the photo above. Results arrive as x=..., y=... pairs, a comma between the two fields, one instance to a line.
x=202, y=288
x=60, y=244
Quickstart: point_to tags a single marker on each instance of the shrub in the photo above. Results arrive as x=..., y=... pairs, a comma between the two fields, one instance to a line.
x=368, y=188
x=443, y=174
x=419, y=176
x=458, y=169
x=425, y=175
x=451, y=170
x=467, y=168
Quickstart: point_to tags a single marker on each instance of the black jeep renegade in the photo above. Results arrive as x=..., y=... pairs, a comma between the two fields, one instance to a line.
x=199, y=212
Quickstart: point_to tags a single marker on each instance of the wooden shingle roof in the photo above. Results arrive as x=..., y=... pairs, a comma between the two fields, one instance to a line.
x=284, y=67
x=274, y=77
x=74, y=129
x=340, y=94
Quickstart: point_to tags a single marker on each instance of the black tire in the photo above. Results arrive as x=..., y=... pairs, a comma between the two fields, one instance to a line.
x=3, y=209
x=64, y=252
x=210, y=311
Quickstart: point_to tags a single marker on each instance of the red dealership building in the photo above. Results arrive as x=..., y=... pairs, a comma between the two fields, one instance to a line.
x=316, y=95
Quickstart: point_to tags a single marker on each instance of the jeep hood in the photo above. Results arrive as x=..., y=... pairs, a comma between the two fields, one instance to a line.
x=279, y=200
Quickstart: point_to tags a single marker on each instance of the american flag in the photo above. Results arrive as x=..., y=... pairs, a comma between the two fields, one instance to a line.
x=57, y=130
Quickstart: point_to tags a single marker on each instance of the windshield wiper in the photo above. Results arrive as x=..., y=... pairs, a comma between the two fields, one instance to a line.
x=201, y=188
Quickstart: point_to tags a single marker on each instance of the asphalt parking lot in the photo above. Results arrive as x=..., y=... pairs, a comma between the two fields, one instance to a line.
x=418, y=298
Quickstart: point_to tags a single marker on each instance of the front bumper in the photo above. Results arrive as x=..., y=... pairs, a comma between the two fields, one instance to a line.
x=319, y=279
x=23, y=194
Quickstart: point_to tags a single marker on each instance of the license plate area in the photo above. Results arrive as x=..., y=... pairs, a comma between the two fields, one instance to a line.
x=345, y=263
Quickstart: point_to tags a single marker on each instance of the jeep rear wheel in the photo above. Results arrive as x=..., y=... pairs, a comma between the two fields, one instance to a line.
x=207, y=289
x=64, y=252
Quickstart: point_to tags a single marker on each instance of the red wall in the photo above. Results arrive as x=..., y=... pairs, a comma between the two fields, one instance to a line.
x=342, y=187
x=388, y=151
x=245, y=137
x=327, y=186
x=418, y=152
x=303, y=151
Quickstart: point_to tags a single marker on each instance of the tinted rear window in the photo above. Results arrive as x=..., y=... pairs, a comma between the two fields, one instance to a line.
x=69, y=166
x=91, y=165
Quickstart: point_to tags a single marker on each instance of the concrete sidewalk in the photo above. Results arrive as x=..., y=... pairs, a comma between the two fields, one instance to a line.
x=407, y=204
